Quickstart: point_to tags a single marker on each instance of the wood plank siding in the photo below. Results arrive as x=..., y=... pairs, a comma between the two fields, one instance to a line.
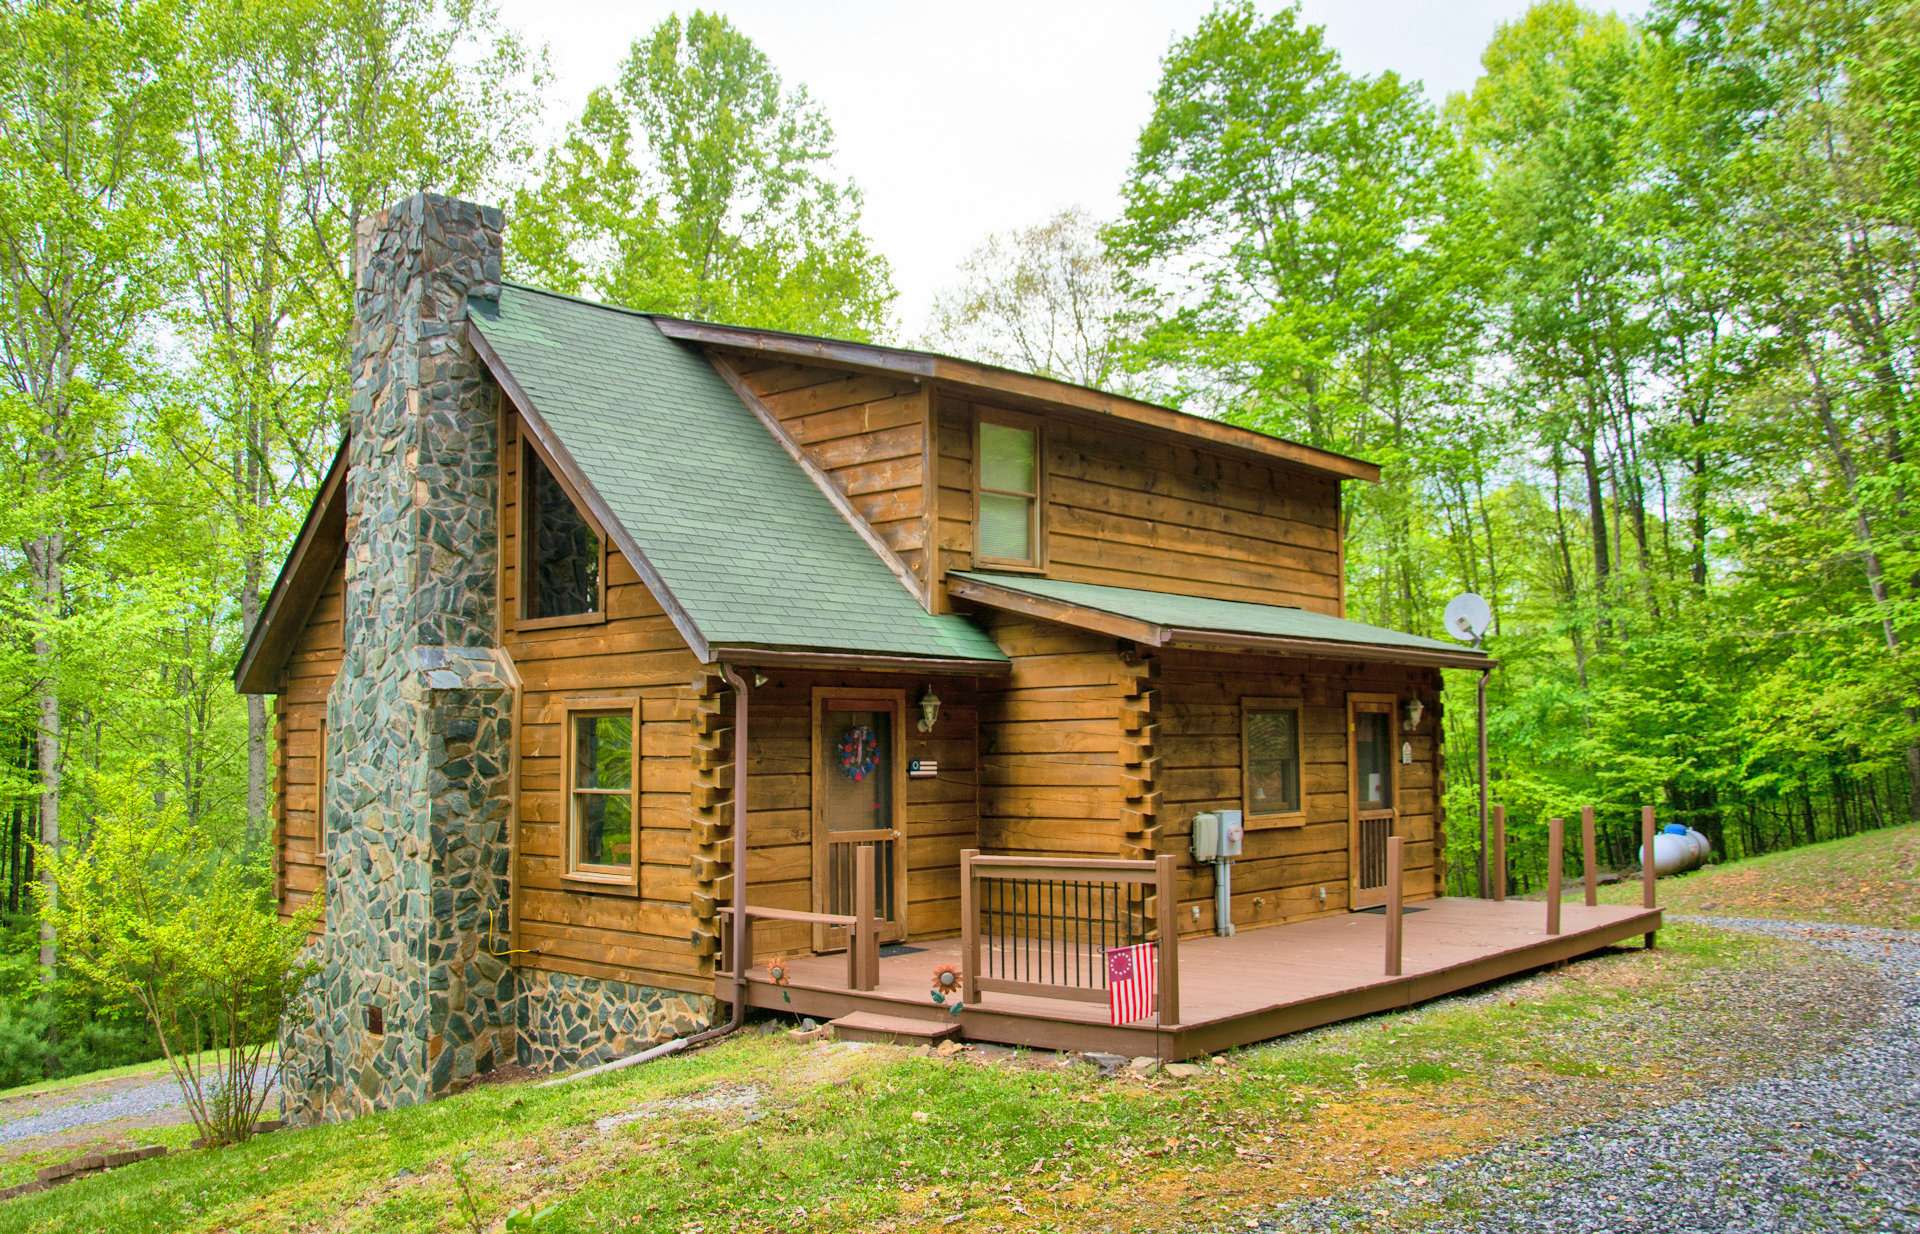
x=1285, y=868
x=634, y=652
x=942, y=813
x=1129, y=511
x=868, y=433
x=300, y=710
x=1050, y=743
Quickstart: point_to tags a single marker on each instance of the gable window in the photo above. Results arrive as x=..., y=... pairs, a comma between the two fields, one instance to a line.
x=563, y=561
x=603, y=803
x=1007, y=528
x=1271, y=761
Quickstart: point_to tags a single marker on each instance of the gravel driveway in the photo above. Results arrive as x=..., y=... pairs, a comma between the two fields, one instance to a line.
x=149, y=1100
x=132, y=1102
x=1834, y=1146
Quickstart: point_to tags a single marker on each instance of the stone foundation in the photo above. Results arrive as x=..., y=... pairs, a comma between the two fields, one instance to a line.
x=566, y=1021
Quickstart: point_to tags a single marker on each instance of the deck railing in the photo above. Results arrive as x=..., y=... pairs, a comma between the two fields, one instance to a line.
x=1042, y=926
x=862, y=925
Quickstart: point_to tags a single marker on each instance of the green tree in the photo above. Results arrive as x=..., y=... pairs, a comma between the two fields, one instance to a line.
x=1042, y=299
x=154, y=914
x=304, y=117
x=89, y=124
x=698, y=184
x=1286, y=247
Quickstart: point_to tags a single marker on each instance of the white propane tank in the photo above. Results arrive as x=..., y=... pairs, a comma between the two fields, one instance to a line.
x=1677, y=848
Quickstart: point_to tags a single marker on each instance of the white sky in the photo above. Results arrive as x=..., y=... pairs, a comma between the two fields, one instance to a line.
x=957, y=120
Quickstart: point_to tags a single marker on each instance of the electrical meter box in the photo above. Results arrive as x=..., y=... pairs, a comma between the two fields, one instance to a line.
x=1232, y=831
x=1217, y=834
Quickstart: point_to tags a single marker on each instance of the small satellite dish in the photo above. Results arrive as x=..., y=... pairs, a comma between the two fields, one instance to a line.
x=1468, y=617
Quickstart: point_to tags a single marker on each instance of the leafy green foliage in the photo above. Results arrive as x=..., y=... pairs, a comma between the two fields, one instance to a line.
x=1629, y=326
x=698, y=184
x=153, y=915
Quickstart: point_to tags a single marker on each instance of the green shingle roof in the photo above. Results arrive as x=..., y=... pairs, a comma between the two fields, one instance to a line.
x=752, y=552
x=1199, y=613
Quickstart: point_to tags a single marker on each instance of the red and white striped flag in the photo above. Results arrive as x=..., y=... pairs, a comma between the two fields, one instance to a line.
x=1133, y=981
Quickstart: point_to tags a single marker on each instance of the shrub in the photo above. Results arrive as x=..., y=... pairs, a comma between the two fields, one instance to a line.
x=152, y=913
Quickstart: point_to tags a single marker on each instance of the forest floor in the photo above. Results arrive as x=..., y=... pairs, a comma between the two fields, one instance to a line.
x=1390, y=1121
x=1869, y=879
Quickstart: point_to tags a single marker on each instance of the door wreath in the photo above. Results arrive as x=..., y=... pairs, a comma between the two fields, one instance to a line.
x=859, y=752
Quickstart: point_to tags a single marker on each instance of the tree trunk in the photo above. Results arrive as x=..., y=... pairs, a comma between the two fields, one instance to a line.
x=1597, y=517
x=48, y=556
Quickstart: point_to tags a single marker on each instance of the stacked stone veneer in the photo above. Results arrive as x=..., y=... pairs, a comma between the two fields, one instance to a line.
x=570, y=1021
x=412, y=998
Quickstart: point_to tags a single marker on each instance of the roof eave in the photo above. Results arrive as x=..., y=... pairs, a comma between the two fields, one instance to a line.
x=927, y=366
x=1151, y=634
x=301, y=579
x=756, y=656
x=596, y=505
x=1327, y=649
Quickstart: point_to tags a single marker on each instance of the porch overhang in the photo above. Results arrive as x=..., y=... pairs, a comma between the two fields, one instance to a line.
x=1164, y=619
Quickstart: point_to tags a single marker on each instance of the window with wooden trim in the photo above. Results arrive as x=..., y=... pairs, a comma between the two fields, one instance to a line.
x=563, y=560
x=1272, y=765
x=1008, y=506
x=603, y=794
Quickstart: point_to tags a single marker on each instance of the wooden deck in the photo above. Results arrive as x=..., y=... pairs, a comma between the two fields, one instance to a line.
x=1259, y=984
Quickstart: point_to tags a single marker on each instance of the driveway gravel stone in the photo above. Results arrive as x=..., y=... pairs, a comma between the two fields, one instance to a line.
x=1833, y=1146
x=153, y=1102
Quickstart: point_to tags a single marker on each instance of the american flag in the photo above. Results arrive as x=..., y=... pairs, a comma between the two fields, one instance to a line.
x=1133, y=981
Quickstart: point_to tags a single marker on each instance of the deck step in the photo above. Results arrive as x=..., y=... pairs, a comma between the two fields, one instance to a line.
x=895, y=1029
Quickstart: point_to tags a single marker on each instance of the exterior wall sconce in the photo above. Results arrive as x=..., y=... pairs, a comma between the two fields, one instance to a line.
x=1414, y=710
x=929, y=709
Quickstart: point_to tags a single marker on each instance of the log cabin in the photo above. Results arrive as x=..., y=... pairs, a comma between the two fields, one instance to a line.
x=631, y=672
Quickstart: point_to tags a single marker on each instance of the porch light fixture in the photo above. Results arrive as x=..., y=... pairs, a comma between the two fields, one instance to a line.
x=1414, y=711
x=929, y=709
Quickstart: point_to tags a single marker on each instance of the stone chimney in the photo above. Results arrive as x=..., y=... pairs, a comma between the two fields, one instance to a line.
x=411, y=999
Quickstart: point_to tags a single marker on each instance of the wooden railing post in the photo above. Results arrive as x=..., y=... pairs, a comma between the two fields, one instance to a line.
x=1647, y=874
x=1500, y=852
x=969, y=931
x=1556, y=857
x=1166, y=874
x=1587, y=864
x=1394, y=880
x=866, y=933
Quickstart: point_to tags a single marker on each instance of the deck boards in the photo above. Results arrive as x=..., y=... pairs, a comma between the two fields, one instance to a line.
x=1257, y=984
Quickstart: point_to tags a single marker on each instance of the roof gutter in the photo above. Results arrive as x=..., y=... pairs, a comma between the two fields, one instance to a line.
x=1326, y=649
x=786, y=657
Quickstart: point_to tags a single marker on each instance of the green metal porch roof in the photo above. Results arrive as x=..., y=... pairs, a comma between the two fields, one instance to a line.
x=750, y=552
x=1177, y=618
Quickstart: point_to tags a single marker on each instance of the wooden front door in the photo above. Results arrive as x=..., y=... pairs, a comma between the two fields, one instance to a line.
x=1373, y=795
x=859, y=798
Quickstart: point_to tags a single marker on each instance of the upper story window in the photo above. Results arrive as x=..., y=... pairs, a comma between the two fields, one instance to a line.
x=563, y=562
x=1007, y=522
x=1271, y=750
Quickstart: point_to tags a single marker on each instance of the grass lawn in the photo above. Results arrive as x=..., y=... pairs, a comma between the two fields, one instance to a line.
x=1868, y=879
x=764, y=1132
